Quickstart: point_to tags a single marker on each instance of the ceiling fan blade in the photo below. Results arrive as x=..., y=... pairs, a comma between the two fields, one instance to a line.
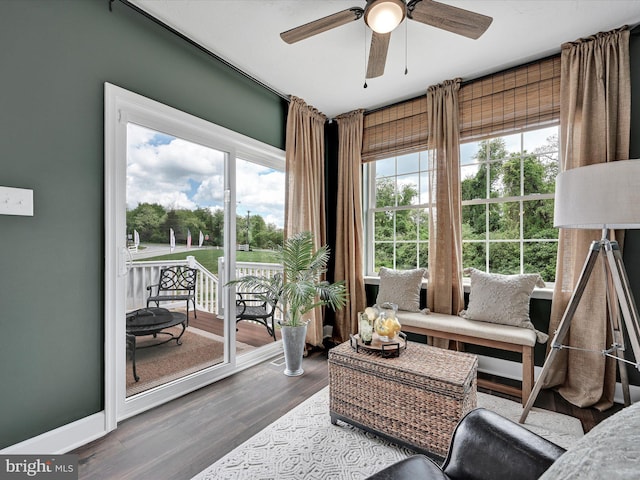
x=450, y=18
x=321, y=25
x=378, y=54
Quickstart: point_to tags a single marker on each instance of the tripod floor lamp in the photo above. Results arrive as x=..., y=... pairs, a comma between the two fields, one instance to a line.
x=602, y=196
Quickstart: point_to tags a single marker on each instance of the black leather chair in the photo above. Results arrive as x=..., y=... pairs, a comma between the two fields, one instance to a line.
x=484, y=446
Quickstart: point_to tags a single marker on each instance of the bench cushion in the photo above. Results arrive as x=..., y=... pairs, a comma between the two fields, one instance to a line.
x=473, y=328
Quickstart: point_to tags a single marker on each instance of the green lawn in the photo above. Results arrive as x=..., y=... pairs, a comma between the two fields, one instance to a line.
x=209, y=257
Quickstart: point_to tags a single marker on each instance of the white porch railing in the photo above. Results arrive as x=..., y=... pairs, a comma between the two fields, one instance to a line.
x=208, y=287
x=144, y=273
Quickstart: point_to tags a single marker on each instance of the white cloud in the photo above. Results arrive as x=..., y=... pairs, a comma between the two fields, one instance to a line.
x=179, y=174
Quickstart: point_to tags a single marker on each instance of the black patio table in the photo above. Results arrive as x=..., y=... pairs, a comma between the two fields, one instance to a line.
x=152, y=321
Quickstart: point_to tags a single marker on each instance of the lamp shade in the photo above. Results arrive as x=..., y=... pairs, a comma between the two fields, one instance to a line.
x=605, y=195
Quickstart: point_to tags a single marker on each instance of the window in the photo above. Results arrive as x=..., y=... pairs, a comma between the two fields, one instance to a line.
x=507, y=188
x=398, y=213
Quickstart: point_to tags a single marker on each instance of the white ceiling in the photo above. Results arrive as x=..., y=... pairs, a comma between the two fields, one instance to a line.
x=327, y=71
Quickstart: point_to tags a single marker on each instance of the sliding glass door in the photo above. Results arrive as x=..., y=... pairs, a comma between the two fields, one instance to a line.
x=170, y=248
x=175, y=225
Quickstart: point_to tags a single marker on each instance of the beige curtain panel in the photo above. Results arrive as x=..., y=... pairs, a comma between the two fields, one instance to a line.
x=349, y=228
x=304, y=194
x=445, y=294
x=594, y=128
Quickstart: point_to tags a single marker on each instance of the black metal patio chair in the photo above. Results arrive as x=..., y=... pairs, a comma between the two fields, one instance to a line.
x=175, y=284
x=257, y=307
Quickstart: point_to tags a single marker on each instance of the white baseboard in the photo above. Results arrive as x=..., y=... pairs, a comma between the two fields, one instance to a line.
x=63, y=439
x=513, y=370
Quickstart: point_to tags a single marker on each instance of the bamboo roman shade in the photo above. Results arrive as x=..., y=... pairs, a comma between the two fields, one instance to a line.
x=522, y=97
x=395, y=130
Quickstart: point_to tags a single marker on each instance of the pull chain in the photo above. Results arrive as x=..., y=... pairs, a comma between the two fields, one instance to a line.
x=365, y=55
x=406, y=46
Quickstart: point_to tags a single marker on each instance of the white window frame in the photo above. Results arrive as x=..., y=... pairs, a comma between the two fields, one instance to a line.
x=369, y=199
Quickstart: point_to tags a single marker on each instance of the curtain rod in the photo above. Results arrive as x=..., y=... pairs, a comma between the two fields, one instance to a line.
x=201, y=48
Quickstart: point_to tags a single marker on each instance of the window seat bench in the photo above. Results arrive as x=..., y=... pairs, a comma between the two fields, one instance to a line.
x=493, y=335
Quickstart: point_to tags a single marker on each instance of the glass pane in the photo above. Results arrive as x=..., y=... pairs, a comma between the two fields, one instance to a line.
x=407, y=225
x=504, y=257
x=510, y=177
x=408, y=163
x=504, y=221
x=473, y=182
x=473, y=255
x=536, y=138
x=538, y=219
x=541, y=257
x=424, y=161
x=540, y=173
x=406, y=255
x=423, y=253
x=383, y=229
x=424, y=188
x=496, y=185
x=474, y=221
x=383, y=255
x=468, y=153
x=175, y=209
x=423, y=224
x=492, y=149
x=385, y=192
x=386, y=167
x=512, y=143
x=408, y=193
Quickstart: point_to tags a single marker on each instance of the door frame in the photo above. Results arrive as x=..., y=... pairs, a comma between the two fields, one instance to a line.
x=122, y=107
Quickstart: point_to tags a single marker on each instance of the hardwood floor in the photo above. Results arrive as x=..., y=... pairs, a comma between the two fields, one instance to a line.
x=181, y=438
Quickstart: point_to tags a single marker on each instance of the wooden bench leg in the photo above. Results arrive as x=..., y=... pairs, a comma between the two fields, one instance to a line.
x=527, y=373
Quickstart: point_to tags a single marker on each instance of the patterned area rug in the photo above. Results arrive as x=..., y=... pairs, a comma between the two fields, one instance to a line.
x=304, y=444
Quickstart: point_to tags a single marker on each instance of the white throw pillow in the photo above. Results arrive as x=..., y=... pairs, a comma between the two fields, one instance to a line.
x=401, y=287
x=502, y=299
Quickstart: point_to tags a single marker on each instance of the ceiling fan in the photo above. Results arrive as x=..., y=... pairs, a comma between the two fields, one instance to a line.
x=383, y=16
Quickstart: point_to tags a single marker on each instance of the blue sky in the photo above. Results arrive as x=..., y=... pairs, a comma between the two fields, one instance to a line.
x=183, y=175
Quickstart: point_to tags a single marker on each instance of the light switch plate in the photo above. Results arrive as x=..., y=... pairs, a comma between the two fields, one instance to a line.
x=16, y=201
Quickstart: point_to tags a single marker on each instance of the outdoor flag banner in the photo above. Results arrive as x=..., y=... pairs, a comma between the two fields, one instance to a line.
x=136, y=238
x=188, y=238
x=172, y=240
x=201, y=239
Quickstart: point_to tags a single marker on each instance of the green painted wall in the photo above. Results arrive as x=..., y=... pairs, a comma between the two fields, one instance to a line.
x=55, y=56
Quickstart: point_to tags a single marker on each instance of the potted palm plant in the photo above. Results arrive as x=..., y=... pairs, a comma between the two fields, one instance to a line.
x=297, y=291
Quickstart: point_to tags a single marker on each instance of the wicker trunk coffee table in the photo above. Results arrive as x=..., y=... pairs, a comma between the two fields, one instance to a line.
x=415, y=399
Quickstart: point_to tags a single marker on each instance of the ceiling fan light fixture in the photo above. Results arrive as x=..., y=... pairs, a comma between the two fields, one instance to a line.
x=382, y=16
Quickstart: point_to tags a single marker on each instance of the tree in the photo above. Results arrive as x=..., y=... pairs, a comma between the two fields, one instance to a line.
x=403, y=225
x=511, y=175
x=147, y=219
x=153, y=222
